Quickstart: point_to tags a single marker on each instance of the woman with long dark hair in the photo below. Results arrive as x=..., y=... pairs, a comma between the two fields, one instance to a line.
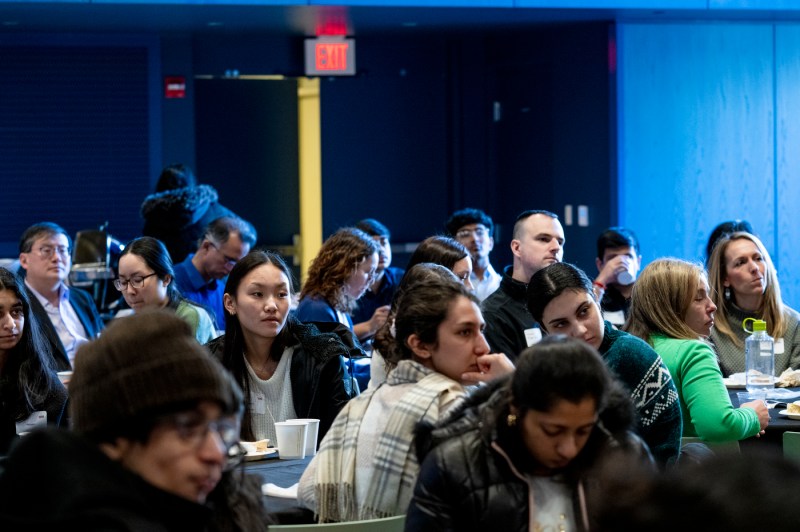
x=28, y=384
x=562, y=300
x=146, y=282
x=286, y=369
x=520, y=454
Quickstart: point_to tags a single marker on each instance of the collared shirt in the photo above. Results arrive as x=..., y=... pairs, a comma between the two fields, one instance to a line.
x=491, y=282
x=196, y=289
x=65, y=320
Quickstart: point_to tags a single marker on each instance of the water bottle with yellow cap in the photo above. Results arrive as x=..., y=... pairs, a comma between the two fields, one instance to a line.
x=759, y=357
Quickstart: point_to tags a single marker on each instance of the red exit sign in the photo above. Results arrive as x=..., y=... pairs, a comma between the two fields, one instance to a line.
x=330, y=56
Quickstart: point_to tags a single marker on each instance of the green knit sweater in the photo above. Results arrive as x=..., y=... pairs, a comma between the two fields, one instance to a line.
x=705, y=403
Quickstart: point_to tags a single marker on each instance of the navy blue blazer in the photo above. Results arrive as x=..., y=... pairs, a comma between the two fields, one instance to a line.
x=87, y=313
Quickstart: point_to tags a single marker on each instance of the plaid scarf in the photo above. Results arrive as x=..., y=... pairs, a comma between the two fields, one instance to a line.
x=394, y=462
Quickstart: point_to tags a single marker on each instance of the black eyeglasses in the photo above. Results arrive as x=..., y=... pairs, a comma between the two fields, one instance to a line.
x=193, y=428
x=229, y=260
x=135, y=282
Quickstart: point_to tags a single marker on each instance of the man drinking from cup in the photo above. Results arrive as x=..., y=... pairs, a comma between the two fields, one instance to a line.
x=618, y=263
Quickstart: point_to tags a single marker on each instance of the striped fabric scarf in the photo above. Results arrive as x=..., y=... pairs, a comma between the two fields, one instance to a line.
x=394, y=462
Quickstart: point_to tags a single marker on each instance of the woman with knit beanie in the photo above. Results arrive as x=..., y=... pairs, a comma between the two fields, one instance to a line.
x=153, y=447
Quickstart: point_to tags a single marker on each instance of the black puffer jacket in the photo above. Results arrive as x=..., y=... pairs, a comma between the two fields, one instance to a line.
x=321, y=384
x=178, y=217
x=473, y=466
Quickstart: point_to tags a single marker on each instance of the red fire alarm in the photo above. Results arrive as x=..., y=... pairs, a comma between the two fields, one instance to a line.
x=174, y=87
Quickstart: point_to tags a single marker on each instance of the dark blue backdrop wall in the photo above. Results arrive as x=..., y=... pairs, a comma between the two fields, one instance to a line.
x=432, y=123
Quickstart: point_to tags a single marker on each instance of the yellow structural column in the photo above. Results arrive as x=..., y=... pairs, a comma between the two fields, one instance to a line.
x=310, y=158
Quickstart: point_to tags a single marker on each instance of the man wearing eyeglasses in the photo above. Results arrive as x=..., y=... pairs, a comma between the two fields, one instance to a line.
x=474, y=228
x=201, y=276
x=67, y=315
x=154, y=444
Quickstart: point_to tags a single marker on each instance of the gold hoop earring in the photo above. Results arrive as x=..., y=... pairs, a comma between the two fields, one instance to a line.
x=511, y=420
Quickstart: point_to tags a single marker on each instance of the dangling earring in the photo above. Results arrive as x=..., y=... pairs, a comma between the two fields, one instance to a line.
x=511, y=420
x=727, y=293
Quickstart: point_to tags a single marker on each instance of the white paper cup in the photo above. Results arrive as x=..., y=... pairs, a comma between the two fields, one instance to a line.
x=291, y=439
x=64, y=377
x=311, y=437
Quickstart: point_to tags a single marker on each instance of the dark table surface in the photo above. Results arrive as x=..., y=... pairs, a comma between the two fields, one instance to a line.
x=283, y=473
x=778, y=424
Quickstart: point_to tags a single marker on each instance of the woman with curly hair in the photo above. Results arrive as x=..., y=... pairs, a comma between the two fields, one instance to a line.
x=28, y=384
x=341, y=272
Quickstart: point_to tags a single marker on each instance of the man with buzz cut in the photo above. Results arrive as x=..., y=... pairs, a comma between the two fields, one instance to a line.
x=474, y=228
x=67, y=315
x=537, y=241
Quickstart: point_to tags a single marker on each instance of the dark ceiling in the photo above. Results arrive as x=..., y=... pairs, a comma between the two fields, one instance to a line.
x=37, y=17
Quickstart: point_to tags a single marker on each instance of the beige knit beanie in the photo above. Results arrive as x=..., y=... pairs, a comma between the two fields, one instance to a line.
x=144, y=365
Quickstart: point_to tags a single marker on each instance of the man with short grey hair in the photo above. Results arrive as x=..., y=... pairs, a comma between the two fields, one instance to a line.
x=201, y=276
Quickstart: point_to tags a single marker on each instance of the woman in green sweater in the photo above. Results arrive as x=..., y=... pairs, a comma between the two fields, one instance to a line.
x=672, y=310
x=561, y=300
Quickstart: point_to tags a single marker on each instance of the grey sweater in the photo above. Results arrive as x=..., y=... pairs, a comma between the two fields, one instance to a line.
x=731, y=356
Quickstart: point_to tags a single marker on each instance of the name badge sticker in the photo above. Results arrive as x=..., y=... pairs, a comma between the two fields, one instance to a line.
x=779, y=348
x=37, y=419
x=533, y=335
x=258, y=403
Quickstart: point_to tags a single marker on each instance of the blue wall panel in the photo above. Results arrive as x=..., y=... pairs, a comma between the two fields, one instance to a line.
x=708, y=132
x=787, y=133
x=696, y=141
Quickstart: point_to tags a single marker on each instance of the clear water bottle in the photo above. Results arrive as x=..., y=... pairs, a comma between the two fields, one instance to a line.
x=759, y=357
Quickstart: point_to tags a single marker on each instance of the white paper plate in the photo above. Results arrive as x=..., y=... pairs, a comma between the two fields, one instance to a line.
x=260, y=455
x=790, y=416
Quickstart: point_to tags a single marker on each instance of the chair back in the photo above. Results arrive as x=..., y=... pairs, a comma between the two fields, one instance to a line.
x=388, y=524
x=791, y=445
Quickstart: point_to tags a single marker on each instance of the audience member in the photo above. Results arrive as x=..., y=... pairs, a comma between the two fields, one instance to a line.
x=180, y=210
x=146, y=282
x=287, y=369
x=338, y=276
x=725, y=228
x=366, y=466
x=155, y=434
x=538, y=241
x=729, y=492
x=672, y=310
x=618, y=262
x=521, y=454
x=201, y=275
x=372, y=308
x=67, y=315
x=440, y=250
x=561, y=300
x=30, y=392
x=474, y=228
x=447, y=252
x=744, y=285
